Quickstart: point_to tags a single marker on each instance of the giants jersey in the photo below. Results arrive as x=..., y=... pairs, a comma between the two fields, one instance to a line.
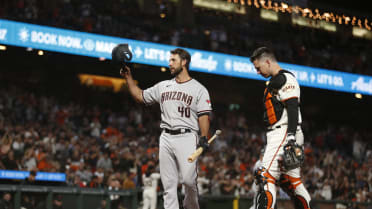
x=290, y=89
x=151, y=182
x=180, y=103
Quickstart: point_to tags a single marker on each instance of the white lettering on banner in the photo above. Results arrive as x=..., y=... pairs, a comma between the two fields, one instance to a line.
x=3, y=34
x=44, y=38
x=138, y=52
x=330, y=80
x=53, y=177
x=23, y=34
x=360, y=85
x=338, y=81
x=302, y=76
x=312, y=77
x=156, y=54
x=243, y=67
x=88, y=44
x=324, y=79
x=198, y=62
x=106, y=47
x=19, y=175
x=228, y=65
x=69, y=42
x=10, y=174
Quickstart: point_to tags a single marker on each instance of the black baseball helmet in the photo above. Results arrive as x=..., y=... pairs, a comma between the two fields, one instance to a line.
x=121, y=54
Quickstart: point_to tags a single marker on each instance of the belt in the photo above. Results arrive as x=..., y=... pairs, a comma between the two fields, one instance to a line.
x=177, y=131
x=273, y=128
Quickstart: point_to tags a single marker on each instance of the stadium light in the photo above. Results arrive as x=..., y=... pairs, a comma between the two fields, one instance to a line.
x=163, y=69
x=315, y=14
x=306, y=10
x=284, y=5
x=358, y=96
x=101, y=59
x=2, y=47
x=40, y=52
x=29, y=49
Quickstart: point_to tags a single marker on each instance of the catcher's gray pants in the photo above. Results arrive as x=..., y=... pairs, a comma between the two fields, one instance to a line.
x=173, y=154
x=276, y=139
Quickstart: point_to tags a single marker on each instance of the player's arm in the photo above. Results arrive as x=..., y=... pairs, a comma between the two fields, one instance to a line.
x=204, y=130
x=204, y=125
x=134, y=90
x=204, y=109
x=292, y=112
x=289, y=96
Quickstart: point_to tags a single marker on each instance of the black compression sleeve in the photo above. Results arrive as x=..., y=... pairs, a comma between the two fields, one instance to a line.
x=292, y=112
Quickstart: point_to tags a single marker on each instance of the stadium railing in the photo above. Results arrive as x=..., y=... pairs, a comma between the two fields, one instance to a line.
x=84, y=198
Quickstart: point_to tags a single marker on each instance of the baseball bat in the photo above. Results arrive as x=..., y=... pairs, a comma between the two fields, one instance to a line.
x=198, y=152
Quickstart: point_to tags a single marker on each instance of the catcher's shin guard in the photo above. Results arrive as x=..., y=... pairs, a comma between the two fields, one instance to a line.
x=296, y=190
x=301, y=203
x=264, y=200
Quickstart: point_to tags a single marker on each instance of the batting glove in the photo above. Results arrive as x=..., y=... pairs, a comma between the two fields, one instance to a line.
x=203, y=142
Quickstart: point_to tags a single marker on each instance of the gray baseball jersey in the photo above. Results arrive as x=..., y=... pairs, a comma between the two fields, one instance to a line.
x=180, y=103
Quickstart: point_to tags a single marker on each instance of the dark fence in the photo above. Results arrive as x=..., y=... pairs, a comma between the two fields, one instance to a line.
x=49, y=197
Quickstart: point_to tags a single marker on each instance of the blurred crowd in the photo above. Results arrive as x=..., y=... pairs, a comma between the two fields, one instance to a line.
x=110, y=142
x=214, y=31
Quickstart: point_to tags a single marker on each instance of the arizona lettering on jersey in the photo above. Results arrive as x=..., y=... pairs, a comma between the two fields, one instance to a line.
x=180, y=103
x=176, y=95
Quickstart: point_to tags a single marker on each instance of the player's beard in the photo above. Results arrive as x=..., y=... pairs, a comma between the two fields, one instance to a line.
x=176, y=71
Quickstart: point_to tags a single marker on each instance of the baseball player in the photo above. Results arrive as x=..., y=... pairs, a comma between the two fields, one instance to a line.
x=283, y=119
x=185, y=107
x=150, y=184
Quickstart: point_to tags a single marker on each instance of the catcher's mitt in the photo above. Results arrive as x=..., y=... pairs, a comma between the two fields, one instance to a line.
x=121, y=54
x=293, y=156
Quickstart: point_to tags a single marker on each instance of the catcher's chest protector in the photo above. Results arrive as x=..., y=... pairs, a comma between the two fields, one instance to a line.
x=273, y=108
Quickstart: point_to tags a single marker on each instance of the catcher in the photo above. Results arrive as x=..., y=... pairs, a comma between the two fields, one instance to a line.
x=284, y=154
